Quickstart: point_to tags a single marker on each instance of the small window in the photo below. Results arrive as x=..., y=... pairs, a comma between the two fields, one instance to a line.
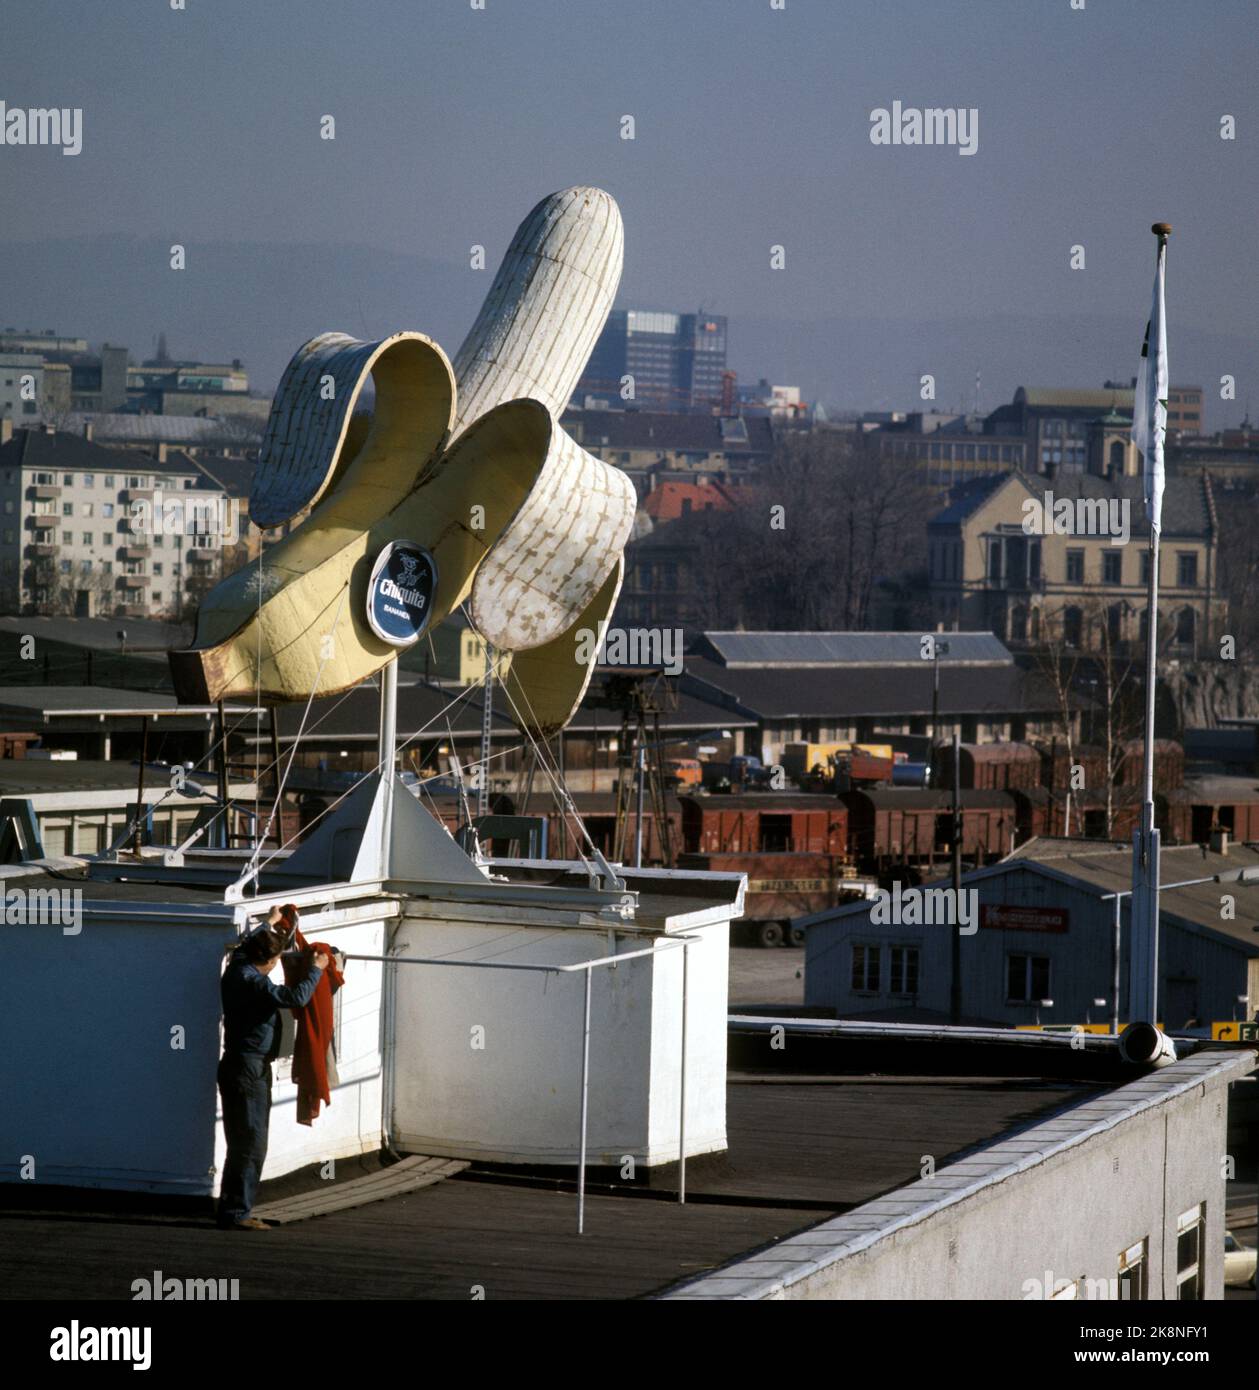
x=1186, y=622
x=1187, y=570
x=89, y=480
x=865, y=968
x=1112, y=566
x=1133, y=1272
x=1190, y=1229
x=1027, y=979
x=903, y=970
x=1075, y=567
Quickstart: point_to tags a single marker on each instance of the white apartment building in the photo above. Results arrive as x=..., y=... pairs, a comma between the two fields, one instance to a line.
x=22, y=407
x=94, y=532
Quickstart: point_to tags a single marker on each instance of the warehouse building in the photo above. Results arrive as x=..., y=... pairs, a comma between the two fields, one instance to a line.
x=50, y=809
x=821, y=686
x=1040, y=944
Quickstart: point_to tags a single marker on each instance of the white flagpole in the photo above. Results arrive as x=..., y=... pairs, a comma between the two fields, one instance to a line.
x=1149, y=420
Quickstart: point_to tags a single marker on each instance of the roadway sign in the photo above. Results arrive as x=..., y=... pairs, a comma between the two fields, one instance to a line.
x=1235, y=1032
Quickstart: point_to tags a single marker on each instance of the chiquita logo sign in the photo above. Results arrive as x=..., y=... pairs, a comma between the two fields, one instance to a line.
x=400, y=594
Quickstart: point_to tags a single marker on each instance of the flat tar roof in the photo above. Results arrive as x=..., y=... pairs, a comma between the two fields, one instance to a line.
x=800, y=1151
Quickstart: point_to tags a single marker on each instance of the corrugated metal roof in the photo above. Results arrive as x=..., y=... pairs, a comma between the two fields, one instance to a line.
x=782, y=649
x=1108, y=869
x=877, y=692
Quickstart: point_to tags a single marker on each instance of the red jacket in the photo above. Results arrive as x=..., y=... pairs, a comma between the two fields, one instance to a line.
x=313, y=1057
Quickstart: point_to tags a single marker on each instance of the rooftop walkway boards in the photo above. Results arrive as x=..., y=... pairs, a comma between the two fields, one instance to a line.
x=412, y=1173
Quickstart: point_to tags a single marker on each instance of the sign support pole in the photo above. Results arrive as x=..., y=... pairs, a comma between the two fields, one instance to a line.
x=387, y=757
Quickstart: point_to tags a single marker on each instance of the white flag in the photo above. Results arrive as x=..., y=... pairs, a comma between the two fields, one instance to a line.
x=1149, y=405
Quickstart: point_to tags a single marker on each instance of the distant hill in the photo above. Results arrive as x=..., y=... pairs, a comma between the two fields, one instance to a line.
x=259, y=301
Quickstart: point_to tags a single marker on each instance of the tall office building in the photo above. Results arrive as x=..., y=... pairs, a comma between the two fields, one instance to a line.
x=658, y=361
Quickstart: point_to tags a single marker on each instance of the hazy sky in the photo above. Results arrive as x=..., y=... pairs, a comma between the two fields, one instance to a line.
x=752, y=128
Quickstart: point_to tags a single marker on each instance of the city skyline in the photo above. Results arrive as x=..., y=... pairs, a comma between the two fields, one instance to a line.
x=898, y=261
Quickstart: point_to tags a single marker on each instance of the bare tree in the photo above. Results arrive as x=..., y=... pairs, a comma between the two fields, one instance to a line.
x=1106, y=666
x=830, y=518
x=64, y=590
x=1058, y=664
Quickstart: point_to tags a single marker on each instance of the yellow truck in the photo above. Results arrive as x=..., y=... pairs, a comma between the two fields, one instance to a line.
x=799, y=759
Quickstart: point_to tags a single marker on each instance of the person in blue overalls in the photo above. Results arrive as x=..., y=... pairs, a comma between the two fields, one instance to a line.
x=251, y=1038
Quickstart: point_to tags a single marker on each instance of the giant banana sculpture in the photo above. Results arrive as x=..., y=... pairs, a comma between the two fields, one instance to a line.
x=460, y=488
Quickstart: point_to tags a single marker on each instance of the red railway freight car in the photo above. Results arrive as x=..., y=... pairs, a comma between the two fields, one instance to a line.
x=1042, y=812
x=781, y=887
x=1056, y=765
x=988, y=766
x=907, y=826
x=1189, y=815
x=760, y=823
x=1169, y=765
